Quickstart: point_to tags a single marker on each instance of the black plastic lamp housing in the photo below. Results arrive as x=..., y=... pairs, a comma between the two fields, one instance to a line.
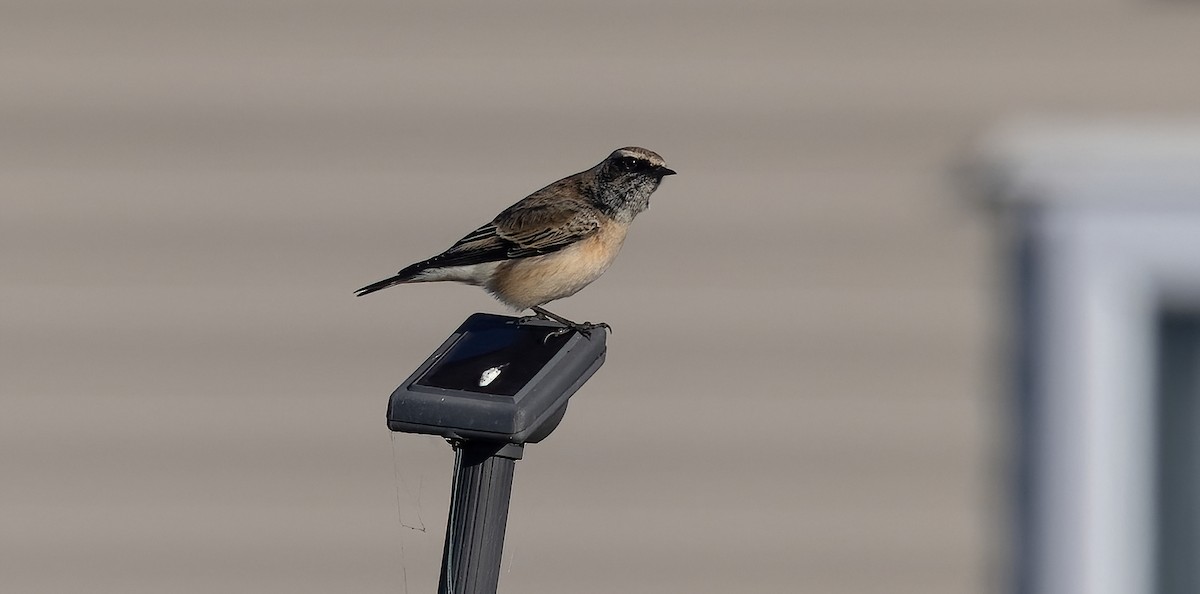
x=497, y=378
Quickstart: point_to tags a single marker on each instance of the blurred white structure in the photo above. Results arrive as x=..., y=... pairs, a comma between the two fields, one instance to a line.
x=1106, y=245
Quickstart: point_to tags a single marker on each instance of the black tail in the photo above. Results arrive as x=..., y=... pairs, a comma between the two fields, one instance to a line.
x=401, y=277
x=379, y=286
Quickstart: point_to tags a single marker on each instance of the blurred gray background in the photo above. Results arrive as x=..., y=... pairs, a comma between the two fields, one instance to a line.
x=801, y=393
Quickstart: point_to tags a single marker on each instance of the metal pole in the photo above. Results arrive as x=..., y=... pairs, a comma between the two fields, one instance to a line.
x=483, y=474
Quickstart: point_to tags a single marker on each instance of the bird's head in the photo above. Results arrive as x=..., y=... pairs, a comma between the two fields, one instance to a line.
x=626, y=179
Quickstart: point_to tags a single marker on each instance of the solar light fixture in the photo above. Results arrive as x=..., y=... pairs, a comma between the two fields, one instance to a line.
x=497, y=383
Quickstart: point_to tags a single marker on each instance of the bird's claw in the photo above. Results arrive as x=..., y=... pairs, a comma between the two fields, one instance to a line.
x=566, y=325
x=584, y=329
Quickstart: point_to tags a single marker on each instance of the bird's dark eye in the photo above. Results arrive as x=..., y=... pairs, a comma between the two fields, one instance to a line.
x=628, y=163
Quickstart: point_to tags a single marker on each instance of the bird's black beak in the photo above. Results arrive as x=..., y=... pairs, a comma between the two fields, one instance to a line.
x=663, y=171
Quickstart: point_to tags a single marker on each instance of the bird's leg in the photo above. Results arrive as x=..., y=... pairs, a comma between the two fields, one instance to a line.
x=584, y=328
x=541, y=314
x=544, y=314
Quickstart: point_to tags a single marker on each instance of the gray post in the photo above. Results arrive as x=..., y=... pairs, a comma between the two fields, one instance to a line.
x=483, y=475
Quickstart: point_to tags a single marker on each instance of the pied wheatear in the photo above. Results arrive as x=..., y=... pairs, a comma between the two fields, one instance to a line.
x=554, y=242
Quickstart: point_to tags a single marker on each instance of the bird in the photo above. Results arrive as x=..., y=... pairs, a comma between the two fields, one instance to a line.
x=552, y=243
